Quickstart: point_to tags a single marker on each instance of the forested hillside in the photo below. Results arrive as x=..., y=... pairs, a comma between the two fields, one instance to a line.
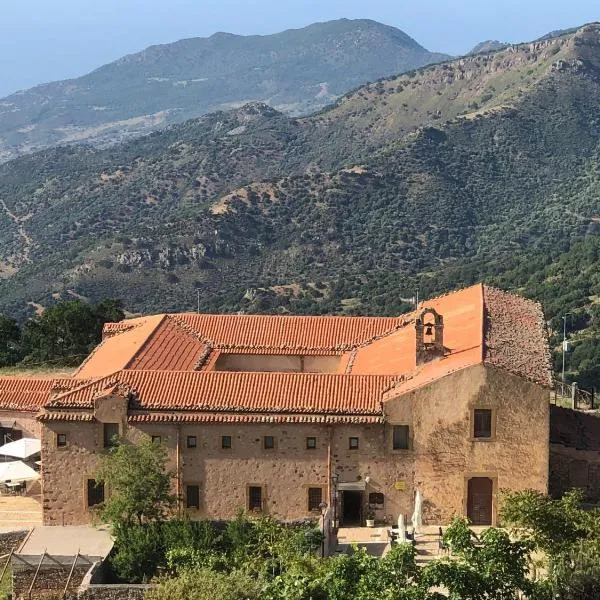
x=469, y=170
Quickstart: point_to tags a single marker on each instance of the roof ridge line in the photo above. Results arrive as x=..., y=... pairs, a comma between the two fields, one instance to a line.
x=146, y=341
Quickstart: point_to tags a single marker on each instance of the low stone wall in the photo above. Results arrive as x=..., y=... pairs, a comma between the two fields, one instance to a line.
x=49, y=583
x=93, y=587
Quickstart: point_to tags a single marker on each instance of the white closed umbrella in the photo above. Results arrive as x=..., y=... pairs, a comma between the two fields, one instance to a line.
x=23, y=448
x=401, y=530
x=15, y=471
x=417, y=516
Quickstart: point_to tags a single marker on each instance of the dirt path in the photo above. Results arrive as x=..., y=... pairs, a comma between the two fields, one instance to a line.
x=18, y=221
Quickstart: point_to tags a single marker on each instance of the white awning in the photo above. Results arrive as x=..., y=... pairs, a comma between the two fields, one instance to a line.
x=17, y=470
x=23, y=448
x=352, y=486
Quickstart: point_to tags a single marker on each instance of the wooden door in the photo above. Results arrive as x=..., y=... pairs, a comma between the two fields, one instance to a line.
x=479, y=500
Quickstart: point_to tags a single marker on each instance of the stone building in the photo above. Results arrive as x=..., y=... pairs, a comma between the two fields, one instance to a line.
x=279, y=414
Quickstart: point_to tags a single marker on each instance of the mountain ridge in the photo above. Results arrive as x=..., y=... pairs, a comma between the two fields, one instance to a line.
x=296, y=71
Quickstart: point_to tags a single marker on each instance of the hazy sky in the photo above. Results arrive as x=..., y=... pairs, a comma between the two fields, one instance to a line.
x=46, y=40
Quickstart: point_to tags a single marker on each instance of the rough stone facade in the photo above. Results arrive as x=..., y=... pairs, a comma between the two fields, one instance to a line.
x=442, y=455
x=575, y=452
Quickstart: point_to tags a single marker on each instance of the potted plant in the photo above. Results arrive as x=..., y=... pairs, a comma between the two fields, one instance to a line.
x=370, y=517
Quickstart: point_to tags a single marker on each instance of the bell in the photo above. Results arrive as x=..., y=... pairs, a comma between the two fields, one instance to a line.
x=429, y=330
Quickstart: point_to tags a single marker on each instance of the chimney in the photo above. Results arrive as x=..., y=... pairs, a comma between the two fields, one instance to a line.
x=429, y=329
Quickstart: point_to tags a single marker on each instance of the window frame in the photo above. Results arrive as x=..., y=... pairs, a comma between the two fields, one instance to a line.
x=311, y=439
x=395, y=426
x=187, y=442
x=109, y=442
x=351, y=442
x=492, y=429
x=156, y=439
x=269, y=437
x=102, y=494
x=187, y=497
x=249, y=503
x=311, y=507
x=58, y=442
x=223, y=445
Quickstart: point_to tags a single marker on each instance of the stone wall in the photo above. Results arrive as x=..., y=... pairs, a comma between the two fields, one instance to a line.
x=575, y=452
x=11, y=540
x=442, y=457
x=49, y=583
x=25, y=422
x=93, y=587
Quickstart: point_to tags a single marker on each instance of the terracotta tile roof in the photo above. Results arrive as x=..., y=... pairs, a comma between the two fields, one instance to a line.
x=516, y=336
x=299, y=333
x=256, y=392
x=116, y=351
x=187, y=417
x=170, y=348
x=23, y=393
x=65, y=416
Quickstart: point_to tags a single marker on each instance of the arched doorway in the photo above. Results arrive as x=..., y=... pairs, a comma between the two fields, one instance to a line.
x=479, y=500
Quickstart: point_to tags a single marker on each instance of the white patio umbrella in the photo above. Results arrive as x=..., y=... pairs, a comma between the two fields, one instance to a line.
x=417, y=516
x=23, y=448
x=17, y=470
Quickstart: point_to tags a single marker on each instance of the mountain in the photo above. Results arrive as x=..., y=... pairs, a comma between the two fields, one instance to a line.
x=481, y=168
x=488, y=46
x=295, y=71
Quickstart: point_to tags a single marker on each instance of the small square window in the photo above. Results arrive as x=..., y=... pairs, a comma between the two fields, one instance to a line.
x=226, y=442
x=315, y=497
x=269, y=442
x=311, y=443
x=192, y=441
x=482, y=426
x=401, y=440
x=376, y=498
x=353, y=443
x=192, y=496
x=156, y=439
x=61, y=440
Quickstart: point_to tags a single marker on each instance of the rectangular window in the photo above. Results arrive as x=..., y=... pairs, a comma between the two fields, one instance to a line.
x=315, y=497
x=401, y=438
x=311, y=443
x=482, y=418
x=353, y=443
x=376, y=498
x=226, y=442
x=111, y=434
x=61, y=440
x=192, y=496
x=269, y=442
x=156, y=439
x=95, y=492
x=254, y=498
x=192, y=441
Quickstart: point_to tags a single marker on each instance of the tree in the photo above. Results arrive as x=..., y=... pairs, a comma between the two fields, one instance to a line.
x=493, y=567
x=68, y=331
x=10, y=342
x=139, y=484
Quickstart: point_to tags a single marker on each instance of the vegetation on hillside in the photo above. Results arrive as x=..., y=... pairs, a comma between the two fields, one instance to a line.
x=296, y=71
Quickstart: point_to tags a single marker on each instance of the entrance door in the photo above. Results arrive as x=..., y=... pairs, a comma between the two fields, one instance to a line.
x=479, y=500
x=351, y=508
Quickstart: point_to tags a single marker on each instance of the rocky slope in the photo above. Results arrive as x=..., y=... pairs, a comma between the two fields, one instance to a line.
x=429, y=179
x=295, y=71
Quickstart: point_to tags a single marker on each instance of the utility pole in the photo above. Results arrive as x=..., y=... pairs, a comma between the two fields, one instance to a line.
x=564, y=351
x=417, y=299
x=198, y=300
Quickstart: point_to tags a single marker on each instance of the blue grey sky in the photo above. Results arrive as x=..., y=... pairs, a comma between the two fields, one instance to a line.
x=46, y=40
